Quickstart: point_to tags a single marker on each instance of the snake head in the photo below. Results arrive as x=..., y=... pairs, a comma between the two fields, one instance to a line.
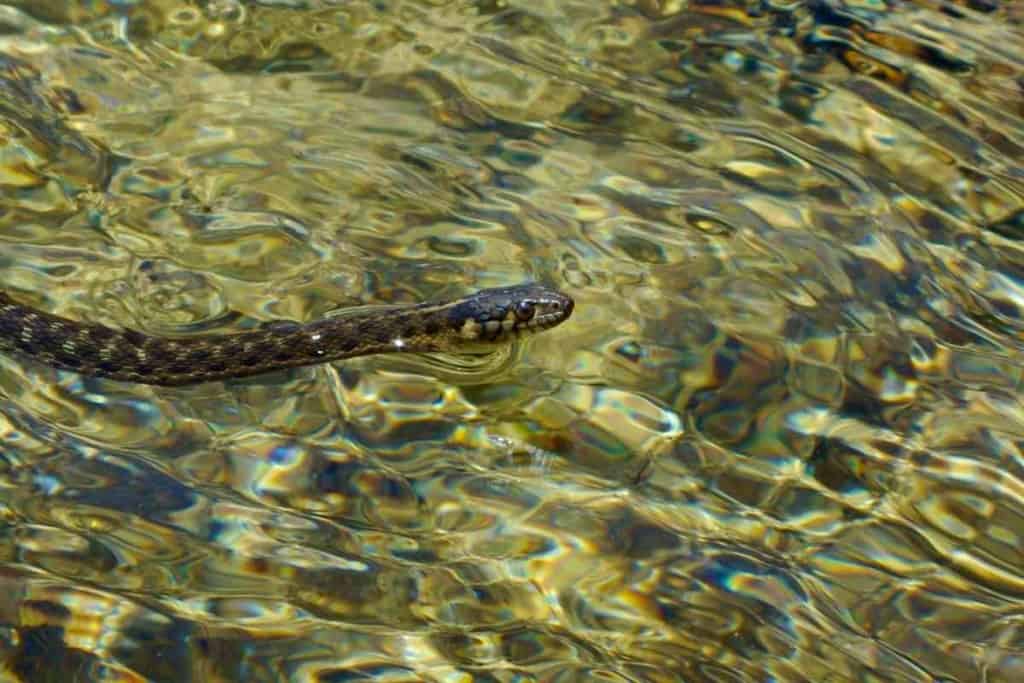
x=501, y=314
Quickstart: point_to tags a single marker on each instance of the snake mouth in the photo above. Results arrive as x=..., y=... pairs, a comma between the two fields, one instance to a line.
x=557, y=311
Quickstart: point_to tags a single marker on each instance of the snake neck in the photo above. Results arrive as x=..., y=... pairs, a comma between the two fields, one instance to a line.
x=389, y=329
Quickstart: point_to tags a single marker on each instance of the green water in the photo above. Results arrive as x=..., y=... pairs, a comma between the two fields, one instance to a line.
x=781, y=439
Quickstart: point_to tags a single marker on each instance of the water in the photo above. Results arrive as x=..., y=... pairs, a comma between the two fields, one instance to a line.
x=780, y=439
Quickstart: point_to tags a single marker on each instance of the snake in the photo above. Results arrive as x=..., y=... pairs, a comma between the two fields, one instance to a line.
x=476, y=322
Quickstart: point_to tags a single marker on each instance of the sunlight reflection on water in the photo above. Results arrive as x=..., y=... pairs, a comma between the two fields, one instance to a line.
x=780, y=438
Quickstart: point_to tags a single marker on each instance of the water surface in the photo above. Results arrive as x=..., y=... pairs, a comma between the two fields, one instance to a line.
x=780, y=439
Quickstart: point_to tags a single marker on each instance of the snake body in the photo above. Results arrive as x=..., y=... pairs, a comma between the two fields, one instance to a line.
x=487, y=317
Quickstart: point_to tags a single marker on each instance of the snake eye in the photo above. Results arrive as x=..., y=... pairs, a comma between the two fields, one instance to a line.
x=524, y=310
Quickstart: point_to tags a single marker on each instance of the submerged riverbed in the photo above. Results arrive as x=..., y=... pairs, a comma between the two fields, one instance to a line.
x=779, y=440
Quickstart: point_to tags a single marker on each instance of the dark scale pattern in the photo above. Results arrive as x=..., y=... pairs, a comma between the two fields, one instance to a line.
x=493, y=316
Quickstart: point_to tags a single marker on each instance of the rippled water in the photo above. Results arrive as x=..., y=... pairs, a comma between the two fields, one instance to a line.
x=780, y=440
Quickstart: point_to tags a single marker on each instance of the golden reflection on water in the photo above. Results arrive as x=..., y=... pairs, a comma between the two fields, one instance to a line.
x=779, y=440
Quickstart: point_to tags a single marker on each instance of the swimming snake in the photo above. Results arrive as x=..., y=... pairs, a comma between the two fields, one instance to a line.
x=483, y=319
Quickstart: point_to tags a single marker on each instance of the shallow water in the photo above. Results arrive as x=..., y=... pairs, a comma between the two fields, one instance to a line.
x=780, y=439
